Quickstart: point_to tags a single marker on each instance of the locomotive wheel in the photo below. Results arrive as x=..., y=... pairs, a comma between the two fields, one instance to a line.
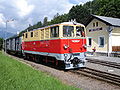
x=37, y=59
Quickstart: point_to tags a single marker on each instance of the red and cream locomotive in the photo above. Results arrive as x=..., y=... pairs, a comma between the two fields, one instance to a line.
x=62, y=45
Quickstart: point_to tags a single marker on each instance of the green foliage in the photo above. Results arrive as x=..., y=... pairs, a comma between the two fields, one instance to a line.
x=15, y=75
x=111, y=9
x=45, y=21
x=1, y=43
x=79, y=13
x=59, y=18
x=38, y=25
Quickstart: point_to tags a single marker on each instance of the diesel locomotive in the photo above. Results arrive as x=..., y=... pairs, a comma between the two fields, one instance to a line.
x=63, y=45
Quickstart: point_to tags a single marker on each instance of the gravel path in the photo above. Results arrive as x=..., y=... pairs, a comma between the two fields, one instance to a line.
x=79, y=81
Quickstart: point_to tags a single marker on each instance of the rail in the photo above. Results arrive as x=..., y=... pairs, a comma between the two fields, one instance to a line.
x=105, y=63
x=104, y=76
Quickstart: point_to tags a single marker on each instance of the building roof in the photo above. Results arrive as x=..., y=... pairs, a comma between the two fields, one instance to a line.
x=108, y=20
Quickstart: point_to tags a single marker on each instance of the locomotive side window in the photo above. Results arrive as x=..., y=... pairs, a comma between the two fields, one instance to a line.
x=36, y=34
x=23, y=35
x=26, y=35
x=54, y=31
x=31, y=34
x=68, y=31
x=80, y=31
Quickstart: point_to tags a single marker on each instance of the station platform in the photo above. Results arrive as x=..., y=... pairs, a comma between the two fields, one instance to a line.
x=104, y=58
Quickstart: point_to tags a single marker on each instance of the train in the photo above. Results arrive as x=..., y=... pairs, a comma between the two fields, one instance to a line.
x=62, y=45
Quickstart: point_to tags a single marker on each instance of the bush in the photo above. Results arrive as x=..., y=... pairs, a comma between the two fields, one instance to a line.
x=1, y=43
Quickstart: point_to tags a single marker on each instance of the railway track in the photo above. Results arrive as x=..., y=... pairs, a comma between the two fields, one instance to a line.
x=104, y=76
x=105, y=63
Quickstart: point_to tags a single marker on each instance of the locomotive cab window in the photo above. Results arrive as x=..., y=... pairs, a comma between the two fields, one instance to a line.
x=68, y=31
x=80, y=31
x=54, y=32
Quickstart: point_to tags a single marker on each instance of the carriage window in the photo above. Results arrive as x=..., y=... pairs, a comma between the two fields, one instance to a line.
x=68, y=31
x=80, y=31
x=54, y=31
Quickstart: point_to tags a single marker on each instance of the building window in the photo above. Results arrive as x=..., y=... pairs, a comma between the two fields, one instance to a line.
x=31, y=34
x=89, y=41
x=101, y=41
x=93, y=24
x=54, y=31
x=96, y=24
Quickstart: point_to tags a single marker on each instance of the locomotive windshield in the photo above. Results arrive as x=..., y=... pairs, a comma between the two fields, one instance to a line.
x=80, y=31
x=68, y=31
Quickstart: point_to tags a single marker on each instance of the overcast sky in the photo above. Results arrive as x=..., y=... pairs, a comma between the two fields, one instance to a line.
x=25, y=12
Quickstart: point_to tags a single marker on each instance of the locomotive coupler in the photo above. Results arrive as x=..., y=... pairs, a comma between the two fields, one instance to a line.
x=75, y=61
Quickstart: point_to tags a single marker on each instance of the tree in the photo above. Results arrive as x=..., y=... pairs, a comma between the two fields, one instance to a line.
x=79, y=13
x=45, y=21
x=59, y=19
x=111, y=9
x=39, y=24
x=1, y=43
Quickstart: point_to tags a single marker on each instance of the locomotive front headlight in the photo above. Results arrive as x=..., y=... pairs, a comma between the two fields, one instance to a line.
x=85, y=46
x=65, y=46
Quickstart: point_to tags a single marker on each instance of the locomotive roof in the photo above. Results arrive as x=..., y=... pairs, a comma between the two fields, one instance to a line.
x=74, y=23
x=63, y=23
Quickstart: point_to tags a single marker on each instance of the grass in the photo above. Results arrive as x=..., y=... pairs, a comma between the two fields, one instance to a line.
x=15, y=75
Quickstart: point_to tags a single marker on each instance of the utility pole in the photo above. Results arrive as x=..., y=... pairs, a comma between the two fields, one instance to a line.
x=6, y=33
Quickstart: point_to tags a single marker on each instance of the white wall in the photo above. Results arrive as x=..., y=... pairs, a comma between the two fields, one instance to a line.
x=116, y=36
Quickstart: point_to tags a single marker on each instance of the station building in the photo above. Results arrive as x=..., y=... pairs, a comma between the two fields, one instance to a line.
x=103, y=35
